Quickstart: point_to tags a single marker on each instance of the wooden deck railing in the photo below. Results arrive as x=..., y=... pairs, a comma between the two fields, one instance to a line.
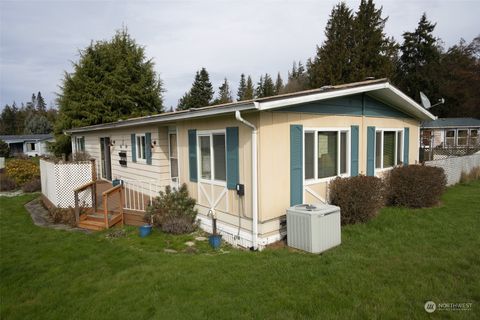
x=91, y=185
x=105, y=195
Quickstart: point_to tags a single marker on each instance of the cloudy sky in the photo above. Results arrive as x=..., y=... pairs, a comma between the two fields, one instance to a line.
x=39, y=39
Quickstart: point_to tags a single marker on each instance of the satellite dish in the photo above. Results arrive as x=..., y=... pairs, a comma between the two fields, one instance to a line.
x=425, y=102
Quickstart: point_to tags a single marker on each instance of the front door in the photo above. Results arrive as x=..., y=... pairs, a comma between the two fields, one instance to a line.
x=106, y=158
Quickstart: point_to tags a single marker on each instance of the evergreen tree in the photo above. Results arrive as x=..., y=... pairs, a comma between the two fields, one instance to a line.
x=242, y=87
x=249, y=90
x=112, y=80
x=38, y=124
x=333, y=62
x=268, y=86
x=297, y=79
x=41, y=105
x=374, y=54
x=224, y=94
x=459, y=81
x=278, y=84
x=418, y=68
x=259, y=88
x=201, y=93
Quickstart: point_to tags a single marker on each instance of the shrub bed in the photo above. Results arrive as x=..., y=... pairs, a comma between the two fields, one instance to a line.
x=173, y=211
x=22, y=170
x=415, y=186
x=63, y=216
x=359, y=198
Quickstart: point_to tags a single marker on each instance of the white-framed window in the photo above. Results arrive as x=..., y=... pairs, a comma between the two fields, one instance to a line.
x=141, y=154
x=473, y=137
x=462, y=137
x=388, y=148
x=173, y=155
x=450, y=138
x=80, y=144
x=326, y=153
x=31, y=146
x=212, y=156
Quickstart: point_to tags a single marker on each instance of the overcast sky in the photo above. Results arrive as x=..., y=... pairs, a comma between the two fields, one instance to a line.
x=39, y=39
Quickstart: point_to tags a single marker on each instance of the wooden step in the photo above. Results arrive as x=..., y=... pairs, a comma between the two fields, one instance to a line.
x=91, y=225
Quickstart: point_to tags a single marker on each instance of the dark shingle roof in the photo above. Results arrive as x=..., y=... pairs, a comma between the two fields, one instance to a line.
x=26, y=137
x=451, y=123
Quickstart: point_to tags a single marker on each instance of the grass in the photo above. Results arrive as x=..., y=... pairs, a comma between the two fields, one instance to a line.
x=386, y=268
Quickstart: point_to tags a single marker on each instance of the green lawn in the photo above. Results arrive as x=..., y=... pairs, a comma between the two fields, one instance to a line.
x=384, y=269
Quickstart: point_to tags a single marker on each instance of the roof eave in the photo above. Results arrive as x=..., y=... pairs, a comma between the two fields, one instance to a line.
x=165, y=118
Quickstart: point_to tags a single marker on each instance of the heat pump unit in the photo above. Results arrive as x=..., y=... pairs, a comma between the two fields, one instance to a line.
x=313, y=228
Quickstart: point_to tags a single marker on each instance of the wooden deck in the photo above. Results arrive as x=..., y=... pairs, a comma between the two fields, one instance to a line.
x=99, y=219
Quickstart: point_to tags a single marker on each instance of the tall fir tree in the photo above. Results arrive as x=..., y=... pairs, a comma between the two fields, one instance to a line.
x=249, y=90
x=200, y=94
x=224, y=93
x=259, y=88
x=333, y=62
x=418, y=67
x=112, y=80
x=242, y=87
x=278, y=84
x=41, y=105
x=374, y=53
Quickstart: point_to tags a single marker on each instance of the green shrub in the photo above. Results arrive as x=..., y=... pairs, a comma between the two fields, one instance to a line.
x=4, y=149
x=415, y=186
x=7, y=183
x=173, y=211
x=33, y=185
x=359, y=198
x=22, y=170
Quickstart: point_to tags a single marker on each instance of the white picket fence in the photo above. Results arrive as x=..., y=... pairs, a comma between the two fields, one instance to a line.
x=59, y=180
x=454, y=166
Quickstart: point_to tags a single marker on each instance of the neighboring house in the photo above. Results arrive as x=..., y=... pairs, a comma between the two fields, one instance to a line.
x=283, y=150
x=31, y=145
x=450, y=133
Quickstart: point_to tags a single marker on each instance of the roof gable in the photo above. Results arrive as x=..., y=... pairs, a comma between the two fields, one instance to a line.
x=353, y=105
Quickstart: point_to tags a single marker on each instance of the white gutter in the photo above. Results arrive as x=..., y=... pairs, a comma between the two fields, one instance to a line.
x=238, y=116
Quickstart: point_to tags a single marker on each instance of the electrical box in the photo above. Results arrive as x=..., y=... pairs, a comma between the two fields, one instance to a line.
x=240, y=190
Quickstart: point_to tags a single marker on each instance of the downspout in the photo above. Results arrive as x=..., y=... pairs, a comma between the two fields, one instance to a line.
x=238, y=116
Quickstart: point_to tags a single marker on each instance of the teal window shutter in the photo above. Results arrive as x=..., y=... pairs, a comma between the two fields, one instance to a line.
x=134, y=148
x=192, y=154
x=354, y=151
x=232, y=158
x=296, y=164
x=371, y=151
x=406, y=142
x=148, y=149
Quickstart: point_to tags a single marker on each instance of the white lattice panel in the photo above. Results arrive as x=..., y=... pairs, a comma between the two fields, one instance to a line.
x=59, y=180
x=454, y=166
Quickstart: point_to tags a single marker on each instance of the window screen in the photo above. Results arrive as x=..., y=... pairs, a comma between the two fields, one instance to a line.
x=378, y=149
x=327, y=154
x=343, y=152
x=388, y=149
x=205, y=160
x=309, y=155
x=219, y=157
x=399, y=147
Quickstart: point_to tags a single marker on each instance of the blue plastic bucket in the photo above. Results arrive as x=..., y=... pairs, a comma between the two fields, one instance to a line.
x=145, y=230
x=215, y=241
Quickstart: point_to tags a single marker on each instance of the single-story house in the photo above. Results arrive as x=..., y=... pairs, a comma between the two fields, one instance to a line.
x=450, y=132
x=247, y=162
x=32, y=145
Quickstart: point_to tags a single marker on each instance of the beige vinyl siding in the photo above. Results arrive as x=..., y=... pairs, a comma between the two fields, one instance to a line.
x=232, y=208
x=121, y=140
x=274, y=153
